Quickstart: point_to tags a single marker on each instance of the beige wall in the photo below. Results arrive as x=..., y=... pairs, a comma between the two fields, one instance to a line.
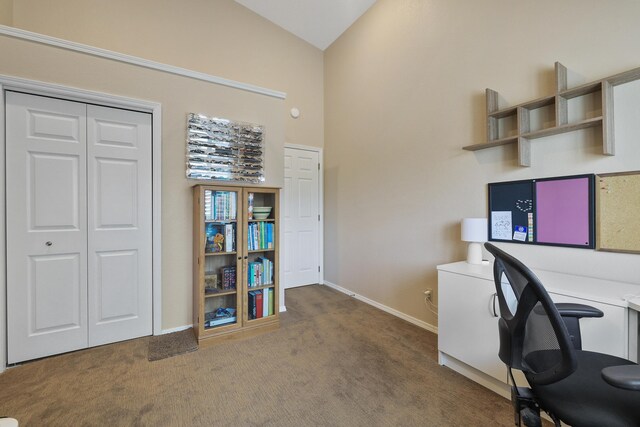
x=6, y=12
x=218, y=37
x=178, y=96
x=404, y=92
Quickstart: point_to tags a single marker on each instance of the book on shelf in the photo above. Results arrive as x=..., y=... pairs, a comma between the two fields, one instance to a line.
x=207, y=205
x=228, y=277
x=229, y=238
x=251, y=304
x=260, y=235
x=267, y=267
x=222, y=321
x=223, y=205
x=271, y=308
x=260, y=272
x=265, y=303
x=220, y=316
x=259, y=304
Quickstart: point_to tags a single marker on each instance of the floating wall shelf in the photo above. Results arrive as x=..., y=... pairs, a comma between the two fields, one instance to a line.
x=515, y=125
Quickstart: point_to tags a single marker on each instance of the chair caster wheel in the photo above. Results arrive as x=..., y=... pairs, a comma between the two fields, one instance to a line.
x=530, y=418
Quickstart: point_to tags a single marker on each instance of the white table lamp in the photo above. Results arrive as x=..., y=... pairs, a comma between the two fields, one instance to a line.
x=474, y=231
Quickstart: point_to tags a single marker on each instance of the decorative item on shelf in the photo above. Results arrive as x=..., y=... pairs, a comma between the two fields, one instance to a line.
x=474, y=231
x=221, y=149
x=250, y=197
x=210, y=282
x=261, y=212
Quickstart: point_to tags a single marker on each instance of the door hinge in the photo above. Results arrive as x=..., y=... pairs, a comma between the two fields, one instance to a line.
x=318, y=217
x=318, y=269
x=318, y=166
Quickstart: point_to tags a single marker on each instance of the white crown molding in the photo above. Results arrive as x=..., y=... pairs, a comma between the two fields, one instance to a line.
x=134, y=60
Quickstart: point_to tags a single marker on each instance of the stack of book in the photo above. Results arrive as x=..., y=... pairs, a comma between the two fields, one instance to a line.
x=220, y=205
x=228, y=277
x=221, y=316
x=260, y=304
x=260, y=236
x=260, y=272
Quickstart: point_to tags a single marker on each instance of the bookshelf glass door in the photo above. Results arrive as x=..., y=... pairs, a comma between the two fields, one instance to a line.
x=261, y=275
x=221, y=257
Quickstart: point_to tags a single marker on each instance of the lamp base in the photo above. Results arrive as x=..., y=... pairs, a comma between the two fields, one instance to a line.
x=474, y=253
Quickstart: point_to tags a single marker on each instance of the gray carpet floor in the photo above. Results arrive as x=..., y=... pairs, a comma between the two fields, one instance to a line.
x=334, y=361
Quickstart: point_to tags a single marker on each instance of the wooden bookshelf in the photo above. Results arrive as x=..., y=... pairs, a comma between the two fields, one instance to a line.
x=221, y=291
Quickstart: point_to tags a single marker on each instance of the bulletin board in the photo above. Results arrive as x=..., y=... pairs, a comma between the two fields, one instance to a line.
x=564, y=211
x=618, y=206
x=555, y=211
x=511, y=206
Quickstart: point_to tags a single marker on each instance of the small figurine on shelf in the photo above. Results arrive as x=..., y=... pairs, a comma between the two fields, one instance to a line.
x=218, y=241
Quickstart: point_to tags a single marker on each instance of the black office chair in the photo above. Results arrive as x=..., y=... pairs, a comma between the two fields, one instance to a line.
x=542, y=339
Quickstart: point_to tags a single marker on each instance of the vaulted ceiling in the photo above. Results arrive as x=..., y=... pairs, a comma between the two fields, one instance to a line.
x=319, y=22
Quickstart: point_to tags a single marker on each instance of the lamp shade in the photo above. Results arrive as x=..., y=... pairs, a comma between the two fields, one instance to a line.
x=474, y=229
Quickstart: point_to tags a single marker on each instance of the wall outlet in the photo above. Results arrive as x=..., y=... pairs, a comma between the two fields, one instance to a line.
x=429, y=294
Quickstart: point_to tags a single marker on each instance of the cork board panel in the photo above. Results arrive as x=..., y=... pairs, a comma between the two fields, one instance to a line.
x=618, y=212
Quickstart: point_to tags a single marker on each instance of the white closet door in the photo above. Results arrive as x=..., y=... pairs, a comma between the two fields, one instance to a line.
x=301, y=221
x=119, y=222
x=46, y=226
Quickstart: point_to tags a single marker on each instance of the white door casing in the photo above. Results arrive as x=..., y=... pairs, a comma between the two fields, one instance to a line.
x=97, y=195
x=301, y=217
x=46, y=226
x=119, y=224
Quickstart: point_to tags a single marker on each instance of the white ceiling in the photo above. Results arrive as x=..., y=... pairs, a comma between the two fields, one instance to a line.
x=319, y=22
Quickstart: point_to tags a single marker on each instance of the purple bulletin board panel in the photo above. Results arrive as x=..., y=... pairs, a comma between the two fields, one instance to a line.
x=564, y=211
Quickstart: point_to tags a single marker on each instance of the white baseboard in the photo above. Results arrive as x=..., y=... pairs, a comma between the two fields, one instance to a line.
x=420, y=323
x=177, y=329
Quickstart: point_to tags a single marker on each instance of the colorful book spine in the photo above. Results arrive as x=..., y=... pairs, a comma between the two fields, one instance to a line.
x=207, y=205
x=271, y=309
x=222, y=205
x=229, y=238
x=259, y=304
x=251, y=306
x=229, y=277
x=265, y=303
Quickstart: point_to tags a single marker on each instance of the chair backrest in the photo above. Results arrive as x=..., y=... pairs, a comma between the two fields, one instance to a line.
x=533, y=336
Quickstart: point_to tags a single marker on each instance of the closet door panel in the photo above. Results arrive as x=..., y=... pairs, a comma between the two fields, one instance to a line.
x=46, y=226
x=119, y=170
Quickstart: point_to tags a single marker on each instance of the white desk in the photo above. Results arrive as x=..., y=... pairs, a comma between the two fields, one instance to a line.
x=468, y=327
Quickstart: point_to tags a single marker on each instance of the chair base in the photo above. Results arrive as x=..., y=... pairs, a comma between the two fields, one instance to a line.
x=525, y=410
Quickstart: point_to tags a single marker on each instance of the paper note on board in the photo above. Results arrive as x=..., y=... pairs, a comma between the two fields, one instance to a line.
x=501, y=225
x=520, y=233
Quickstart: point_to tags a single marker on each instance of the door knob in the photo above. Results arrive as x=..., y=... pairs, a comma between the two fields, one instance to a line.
x=49, y=243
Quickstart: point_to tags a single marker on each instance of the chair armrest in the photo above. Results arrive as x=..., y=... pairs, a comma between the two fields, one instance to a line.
x=571, y=314
x=567, y=309
x=624, y=376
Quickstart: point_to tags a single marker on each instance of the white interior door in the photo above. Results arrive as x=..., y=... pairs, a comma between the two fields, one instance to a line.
x=46, y=226
x=79, y=237
x=301, y=217
x=119, y=224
